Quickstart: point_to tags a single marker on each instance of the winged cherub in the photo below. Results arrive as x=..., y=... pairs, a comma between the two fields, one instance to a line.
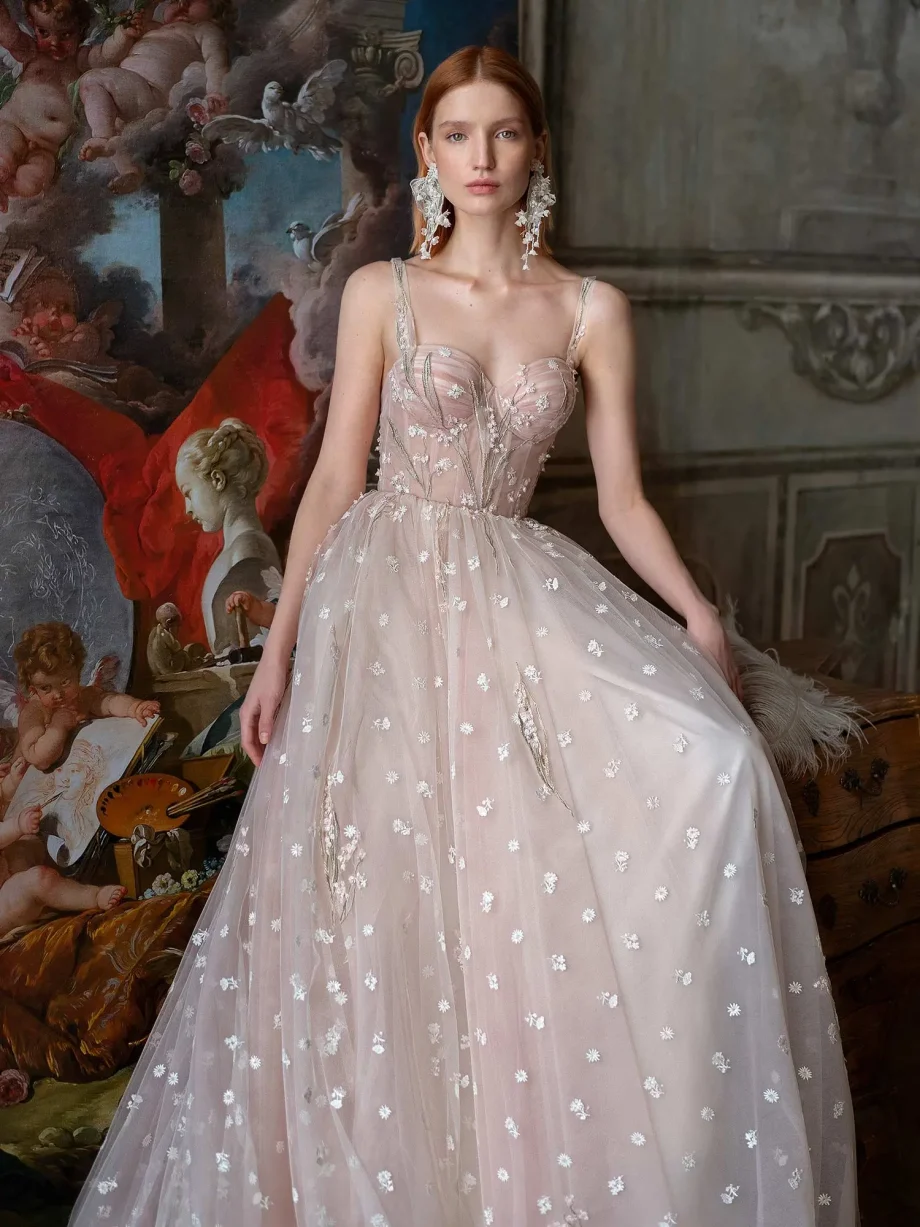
x=290, y=125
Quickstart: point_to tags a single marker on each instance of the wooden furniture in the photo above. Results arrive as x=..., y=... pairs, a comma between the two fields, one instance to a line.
x=860, y=826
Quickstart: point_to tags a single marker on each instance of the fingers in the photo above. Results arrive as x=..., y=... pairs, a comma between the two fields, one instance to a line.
x=249, y=730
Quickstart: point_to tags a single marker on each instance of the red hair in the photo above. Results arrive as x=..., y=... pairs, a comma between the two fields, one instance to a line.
x=463, y=68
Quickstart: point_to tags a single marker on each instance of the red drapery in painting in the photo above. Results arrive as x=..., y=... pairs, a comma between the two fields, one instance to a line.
x=159, y=553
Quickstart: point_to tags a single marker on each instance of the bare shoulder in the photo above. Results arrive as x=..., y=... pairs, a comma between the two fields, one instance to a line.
x=371, y=282
x=367, y=299
x=608, y=306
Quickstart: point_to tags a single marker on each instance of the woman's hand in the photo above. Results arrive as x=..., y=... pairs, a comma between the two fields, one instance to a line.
x=706, y=630
x=263, y=698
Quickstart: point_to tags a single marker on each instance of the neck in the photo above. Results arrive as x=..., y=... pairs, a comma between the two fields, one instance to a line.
x=485, y=249
x=240, y=517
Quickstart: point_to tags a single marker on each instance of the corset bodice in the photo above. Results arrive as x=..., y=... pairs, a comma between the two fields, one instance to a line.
x=448, y=434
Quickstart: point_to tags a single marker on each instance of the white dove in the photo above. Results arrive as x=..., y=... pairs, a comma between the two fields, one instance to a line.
x=316, y=248
x=290, y=125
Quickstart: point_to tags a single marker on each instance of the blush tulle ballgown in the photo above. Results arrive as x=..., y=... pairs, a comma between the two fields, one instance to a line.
x=514, y=929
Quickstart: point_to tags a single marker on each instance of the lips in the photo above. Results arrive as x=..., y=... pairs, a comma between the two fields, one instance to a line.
x=482, y=186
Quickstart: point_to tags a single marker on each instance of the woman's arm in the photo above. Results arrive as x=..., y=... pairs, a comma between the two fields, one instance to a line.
x=608, y=375
x=338, y=479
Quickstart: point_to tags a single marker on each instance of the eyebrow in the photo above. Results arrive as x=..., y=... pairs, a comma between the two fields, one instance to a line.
x=461, y=123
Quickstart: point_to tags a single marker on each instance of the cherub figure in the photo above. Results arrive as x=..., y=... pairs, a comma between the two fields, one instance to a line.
x=50, y=323
x=49, y=659
x=28, y=884
x=189, y=33
x=38, y=116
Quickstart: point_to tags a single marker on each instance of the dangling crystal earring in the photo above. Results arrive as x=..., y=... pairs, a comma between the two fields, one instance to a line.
x=540, y=200
x=426, y=191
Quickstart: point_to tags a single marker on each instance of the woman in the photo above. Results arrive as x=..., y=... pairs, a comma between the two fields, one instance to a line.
x=515, y=928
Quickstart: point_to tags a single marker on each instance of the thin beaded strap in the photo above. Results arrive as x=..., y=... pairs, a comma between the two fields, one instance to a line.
x=405, y=323
x=578, y=328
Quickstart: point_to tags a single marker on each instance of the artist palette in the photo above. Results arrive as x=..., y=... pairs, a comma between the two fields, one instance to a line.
x=142, y=798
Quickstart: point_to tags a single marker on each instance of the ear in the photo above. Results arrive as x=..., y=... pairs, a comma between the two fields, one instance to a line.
x=425, y=146
x=217, y=479
x=540, y=148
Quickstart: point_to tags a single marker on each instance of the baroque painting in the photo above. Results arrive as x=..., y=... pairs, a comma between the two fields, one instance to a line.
x=184, y=189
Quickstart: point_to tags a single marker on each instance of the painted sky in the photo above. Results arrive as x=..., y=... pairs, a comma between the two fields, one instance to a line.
x=281, y=187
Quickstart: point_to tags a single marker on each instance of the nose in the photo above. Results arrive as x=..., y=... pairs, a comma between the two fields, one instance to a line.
x=484, y=157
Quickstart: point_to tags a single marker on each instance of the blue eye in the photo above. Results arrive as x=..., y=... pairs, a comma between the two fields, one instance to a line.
x=508, y=132
x=453, y=134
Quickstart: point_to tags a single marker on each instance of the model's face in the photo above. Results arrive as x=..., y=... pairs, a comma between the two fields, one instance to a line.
x=482, y=143
x=54, y=690
x=203, y=502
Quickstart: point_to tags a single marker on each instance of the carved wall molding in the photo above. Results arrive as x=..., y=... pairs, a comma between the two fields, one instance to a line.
x=849, y=351
x=696, y=278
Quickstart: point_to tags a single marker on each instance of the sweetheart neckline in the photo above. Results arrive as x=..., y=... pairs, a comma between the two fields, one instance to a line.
x=455, y=349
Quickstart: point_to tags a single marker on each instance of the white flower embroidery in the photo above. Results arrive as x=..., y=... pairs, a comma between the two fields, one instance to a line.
x=731, y=1192
x=661, y=893
x=616, y=1185
x=730, y=870
x=612, y=768
x=557, y=962
x=666, y=1033
x=734, y=1009
x=588, y=915
x=631, y=941
x=652, y=803
x=771, y=1095
x=680, y=743
x=692, y=837
x=796, y=895
x=637, y=1139
x=721, y=1062
x=631, y=711
x=723, y=778
x=580, y=1109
